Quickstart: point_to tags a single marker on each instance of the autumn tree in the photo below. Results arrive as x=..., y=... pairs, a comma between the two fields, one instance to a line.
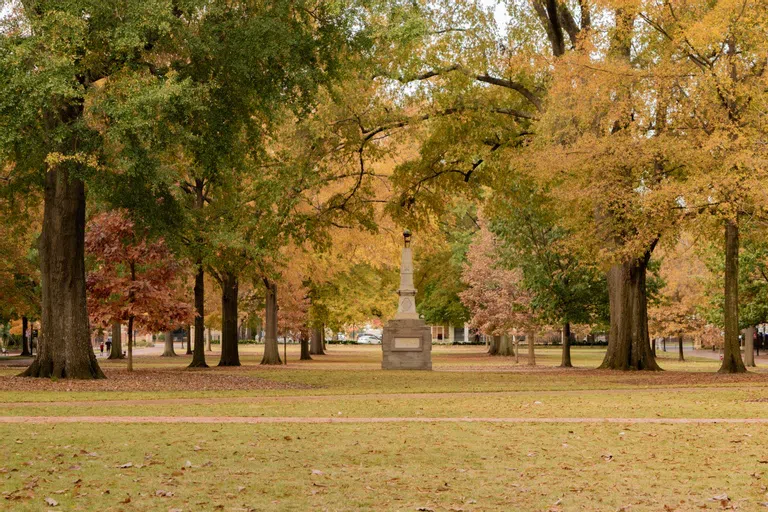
x=133, y=280
x=19, y=270
x=721, y=104
x=498, y=302
x=678, y=309
x=752, y=283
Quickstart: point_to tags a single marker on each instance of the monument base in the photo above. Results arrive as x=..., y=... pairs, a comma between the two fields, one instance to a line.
x=407, y=345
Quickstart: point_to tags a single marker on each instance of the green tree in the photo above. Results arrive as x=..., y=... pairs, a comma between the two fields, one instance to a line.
x=55, y=56
x=566, y=287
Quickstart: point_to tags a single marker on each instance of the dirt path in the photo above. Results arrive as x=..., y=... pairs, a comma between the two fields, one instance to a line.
x=277, y=419
x=362, y=396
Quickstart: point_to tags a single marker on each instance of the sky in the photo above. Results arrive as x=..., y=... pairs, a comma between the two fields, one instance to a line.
x=499, y=11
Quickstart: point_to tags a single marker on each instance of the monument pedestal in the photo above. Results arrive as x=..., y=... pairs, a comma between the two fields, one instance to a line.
x=407, y=345
x=407, y=341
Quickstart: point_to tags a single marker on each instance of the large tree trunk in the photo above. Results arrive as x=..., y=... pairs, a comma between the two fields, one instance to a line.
x=566, y=359
x=749, y=346
x=116, y=351
x=531, y=351
x=198, y=355
x=188, y=337
x=26, y=341
x=732, y=362
x=130, y=344
x=304, y=340
x=629, y=346
x=494, y=346
x=680, y=356
x=168, y=351
x=316, y=342
x=64, y=347
x=229, y=335
x=505, y=346
x=271, y=349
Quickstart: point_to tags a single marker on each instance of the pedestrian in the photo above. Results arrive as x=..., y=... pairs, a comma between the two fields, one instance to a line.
x=109, y=345
x=102, y=348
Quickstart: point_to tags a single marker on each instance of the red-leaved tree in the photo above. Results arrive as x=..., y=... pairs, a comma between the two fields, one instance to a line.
x=498, y=303
x=133, y=279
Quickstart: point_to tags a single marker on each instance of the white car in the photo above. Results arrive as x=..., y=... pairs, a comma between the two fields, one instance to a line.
x=369, y=339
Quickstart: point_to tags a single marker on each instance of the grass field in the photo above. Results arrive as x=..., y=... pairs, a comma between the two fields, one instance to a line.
x=539, y=438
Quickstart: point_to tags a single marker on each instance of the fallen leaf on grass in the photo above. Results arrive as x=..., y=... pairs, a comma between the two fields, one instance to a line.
x=52, y=502
x=126, y=465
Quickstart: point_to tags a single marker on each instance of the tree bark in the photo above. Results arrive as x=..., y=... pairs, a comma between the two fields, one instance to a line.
x=664, y=344
x=189, y=340
x=566, y=359
x=130, y=344
x=749, y=346
x=64, y=346
x=271, y=349
x=680, y=356
x=316, y=342
x=629, y=345
x=304, y=340
x=230, y=355
x=116, y=352
x=198, y=355
x=517, y=348
x=26, y=342
x=494, y=345
x=208, y=341
x=531, y=351
x=732, y=362
x=168, y=350
x=505, y=347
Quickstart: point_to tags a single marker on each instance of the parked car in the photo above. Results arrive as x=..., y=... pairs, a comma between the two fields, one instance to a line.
x=369, y=339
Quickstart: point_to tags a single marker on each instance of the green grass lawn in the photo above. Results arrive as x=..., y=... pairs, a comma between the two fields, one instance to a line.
x=384, y=467
x=389, y=466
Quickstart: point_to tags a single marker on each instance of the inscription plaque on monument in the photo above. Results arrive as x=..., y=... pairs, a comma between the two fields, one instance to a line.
x=407, y=340
x=408, y=343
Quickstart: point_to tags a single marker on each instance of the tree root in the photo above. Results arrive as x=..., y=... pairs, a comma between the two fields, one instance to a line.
x=49, y=370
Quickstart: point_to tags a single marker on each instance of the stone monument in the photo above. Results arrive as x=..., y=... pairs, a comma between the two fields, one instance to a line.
x=407, y=340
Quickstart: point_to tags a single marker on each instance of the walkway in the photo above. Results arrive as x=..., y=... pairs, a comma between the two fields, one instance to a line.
x=282, y=420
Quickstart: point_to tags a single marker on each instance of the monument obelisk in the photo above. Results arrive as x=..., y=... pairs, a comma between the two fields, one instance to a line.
x=407, y=340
